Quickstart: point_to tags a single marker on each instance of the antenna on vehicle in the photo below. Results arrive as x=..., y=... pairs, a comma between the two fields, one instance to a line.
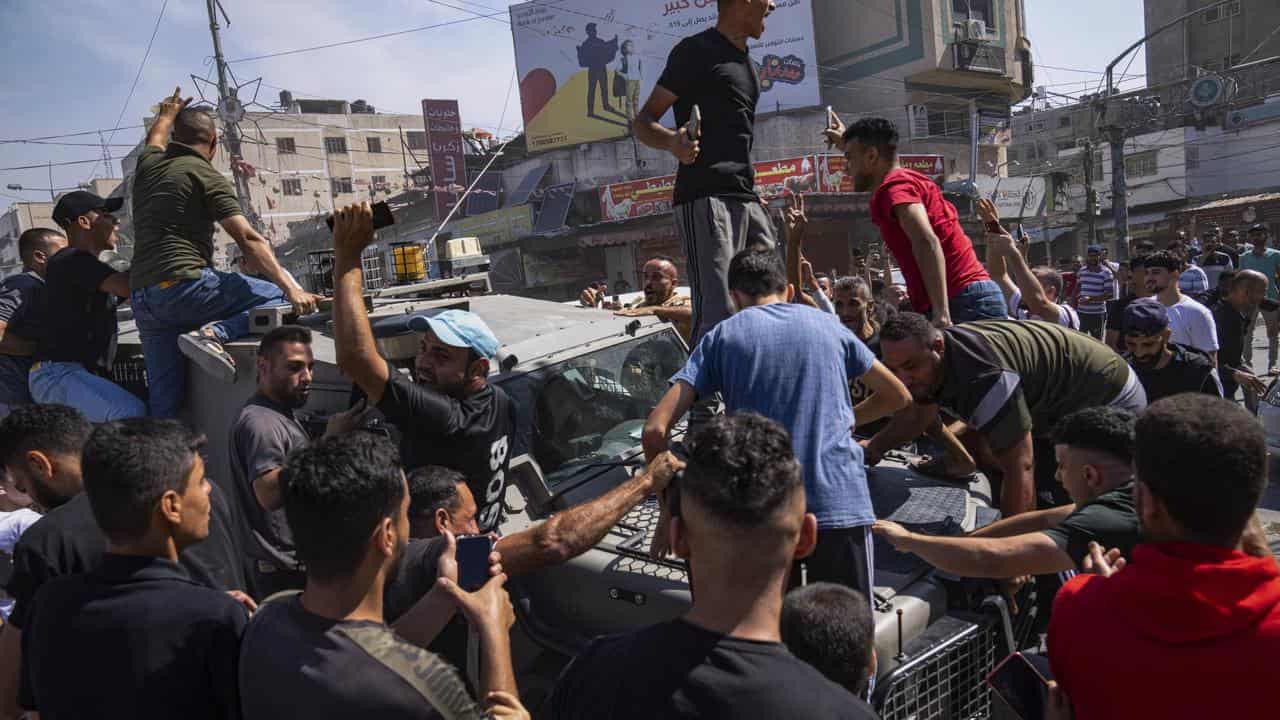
x=901, y=656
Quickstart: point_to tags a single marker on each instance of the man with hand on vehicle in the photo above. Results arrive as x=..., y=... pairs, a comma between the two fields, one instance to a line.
x=716, y=209
x=661, y=299
x=921, y=229
x=1094, y=449
x=450, y=415
x=1010, y=382
x=441, y=504
x=327, y=652
x=182, y=305
x=793, y=364
x=740, y=520
x=1032, y=294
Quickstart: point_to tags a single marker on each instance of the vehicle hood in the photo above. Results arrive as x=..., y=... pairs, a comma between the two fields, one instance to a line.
x=1178, y=593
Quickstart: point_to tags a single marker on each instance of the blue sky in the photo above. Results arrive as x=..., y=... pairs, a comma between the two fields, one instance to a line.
x=68, y=64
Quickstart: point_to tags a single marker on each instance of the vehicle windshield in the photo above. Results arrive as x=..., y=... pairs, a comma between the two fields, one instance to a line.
x=592, y=408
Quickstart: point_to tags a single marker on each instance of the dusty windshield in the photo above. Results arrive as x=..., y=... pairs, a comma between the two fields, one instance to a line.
x=592, y=408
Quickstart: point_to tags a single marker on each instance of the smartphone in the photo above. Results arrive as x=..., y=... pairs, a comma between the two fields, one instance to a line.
x=995, y=227
x=1021, y=686
x=832, y=121
x=473, y=561
x=695, y=123
x=381, y=216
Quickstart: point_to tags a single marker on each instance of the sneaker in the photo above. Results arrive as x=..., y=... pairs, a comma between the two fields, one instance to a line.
x=209, y=354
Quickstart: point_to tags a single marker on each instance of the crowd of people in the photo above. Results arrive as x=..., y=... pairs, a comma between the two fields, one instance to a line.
x=321, y=579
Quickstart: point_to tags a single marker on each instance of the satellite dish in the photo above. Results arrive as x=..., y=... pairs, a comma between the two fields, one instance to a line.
x=1206, y=92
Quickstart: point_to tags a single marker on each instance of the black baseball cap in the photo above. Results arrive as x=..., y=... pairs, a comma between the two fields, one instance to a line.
x=1258, y=227
x=74, y=204
x=1145, y=316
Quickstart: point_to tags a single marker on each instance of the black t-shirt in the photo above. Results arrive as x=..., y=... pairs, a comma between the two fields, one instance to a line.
x=135, y=638
x=472, y=436
x=261, y=439
x=295, y=664
x=1189, y=370
x=21, y=296
x=1109, y=520
x=418, y=573
x=80, y=319
x=724, y=82
x=1115, y=312
x=67, y=541
x=679, y=670
x=1232, y=326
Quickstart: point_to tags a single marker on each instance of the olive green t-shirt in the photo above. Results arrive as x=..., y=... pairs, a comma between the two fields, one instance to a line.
x=1010, y=377
x=177, y=197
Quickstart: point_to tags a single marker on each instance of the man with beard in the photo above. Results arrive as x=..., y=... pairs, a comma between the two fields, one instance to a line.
x=1190, y=322
x=1216, y=258
x=327, y=652
x=1010, y=382
x=451, y=415
x=1233, y=314
x=262, y=437
x=661, y=299
x=21, y=297
x=1115, y=309
x=920, y=228
x=1165, y=368
x=79, y=317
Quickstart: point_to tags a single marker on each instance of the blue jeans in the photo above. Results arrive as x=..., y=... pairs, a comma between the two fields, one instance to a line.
x=218, y=299
x=982, y=300
x=97, y=398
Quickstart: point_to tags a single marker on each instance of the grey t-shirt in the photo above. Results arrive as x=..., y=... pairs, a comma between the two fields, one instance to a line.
x=261, y=439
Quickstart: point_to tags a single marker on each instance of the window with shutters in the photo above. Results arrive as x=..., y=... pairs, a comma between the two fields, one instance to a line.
x=291, y=186
x=417, y=140
x=335, y=145
x=286, y=146
x=375, y=144
x=341, y=186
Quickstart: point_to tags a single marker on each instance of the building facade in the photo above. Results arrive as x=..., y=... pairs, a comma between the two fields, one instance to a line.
x=1225, y=35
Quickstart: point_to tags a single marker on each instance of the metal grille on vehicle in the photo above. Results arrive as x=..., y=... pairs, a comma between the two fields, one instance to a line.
x=942, y=675
x=130, y=373
x=637, y=528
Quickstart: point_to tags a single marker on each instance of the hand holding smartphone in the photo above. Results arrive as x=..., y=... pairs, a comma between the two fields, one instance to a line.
x=694, y=127
x=473, y=561
x=1021, y=686
x=381, y=216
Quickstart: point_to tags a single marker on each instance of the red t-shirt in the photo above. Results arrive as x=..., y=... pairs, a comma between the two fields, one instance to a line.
x=902, y=187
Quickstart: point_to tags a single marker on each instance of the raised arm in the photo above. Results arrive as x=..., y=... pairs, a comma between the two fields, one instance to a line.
x=996, y=267
x=1032, y=291
x=927, y=251
x=158, y=135
x=352, y=336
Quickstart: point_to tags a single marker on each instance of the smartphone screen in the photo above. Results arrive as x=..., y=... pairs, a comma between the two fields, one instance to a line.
x=1020, y=686
x=994, y=227
x=695, y=123
x=473, y=561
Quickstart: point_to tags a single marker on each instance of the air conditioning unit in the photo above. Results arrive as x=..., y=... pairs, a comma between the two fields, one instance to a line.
x=974, y=30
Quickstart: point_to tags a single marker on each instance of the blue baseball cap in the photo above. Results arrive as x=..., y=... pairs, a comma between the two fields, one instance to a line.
x=458, y=328
x=1093, y=250
x=1145, y=316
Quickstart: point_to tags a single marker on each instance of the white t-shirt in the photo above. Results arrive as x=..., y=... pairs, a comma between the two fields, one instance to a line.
x=12, y=525
x=1067, y=316
x=1192, y=324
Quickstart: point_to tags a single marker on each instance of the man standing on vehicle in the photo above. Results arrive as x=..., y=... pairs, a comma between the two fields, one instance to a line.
x=717, y=212
x=944, y=278
x=181, y=304
x=451, y=415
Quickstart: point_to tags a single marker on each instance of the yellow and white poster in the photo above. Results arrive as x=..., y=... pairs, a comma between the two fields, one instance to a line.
x=586, y=66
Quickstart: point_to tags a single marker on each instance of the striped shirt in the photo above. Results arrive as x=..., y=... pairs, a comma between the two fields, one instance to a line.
x=1094, y=283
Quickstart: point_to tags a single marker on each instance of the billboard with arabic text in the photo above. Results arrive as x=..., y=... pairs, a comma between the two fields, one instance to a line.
x=834, y=178
x=445, y=153
x=585, y=66
x=652, y=196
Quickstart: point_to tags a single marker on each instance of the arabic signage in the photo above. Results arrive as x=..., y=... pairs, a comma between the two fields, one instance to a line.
x=833, y=175
x=1014, y=197
x=444, y=153
x=585, y=65
x=653, y=196
x=637, y=198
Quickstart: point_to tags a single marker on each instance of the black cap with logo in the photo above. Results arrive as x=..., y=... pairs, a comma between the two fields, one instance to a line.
x=74, y=204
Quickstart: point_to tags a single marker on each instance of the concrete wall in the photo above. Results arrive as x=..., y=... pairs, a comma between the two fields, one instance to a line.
x=1210, y=45
x=1233, y=162
x=20, y=217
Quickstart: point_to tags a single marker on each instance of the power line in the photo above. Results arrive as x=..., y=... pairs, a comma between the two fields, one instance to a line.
x=146, y=54
x=74, y=134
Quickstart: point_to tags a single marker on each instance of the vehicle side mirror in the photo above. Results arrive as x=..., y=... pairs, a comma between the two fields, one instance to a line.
x=527, y=475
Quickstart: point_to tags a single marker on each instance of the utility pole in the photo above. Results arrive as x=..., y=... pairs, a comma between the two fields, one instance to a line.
x=973, y=141
x=230, y=111
x=1090, y=199
x=52, y=198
